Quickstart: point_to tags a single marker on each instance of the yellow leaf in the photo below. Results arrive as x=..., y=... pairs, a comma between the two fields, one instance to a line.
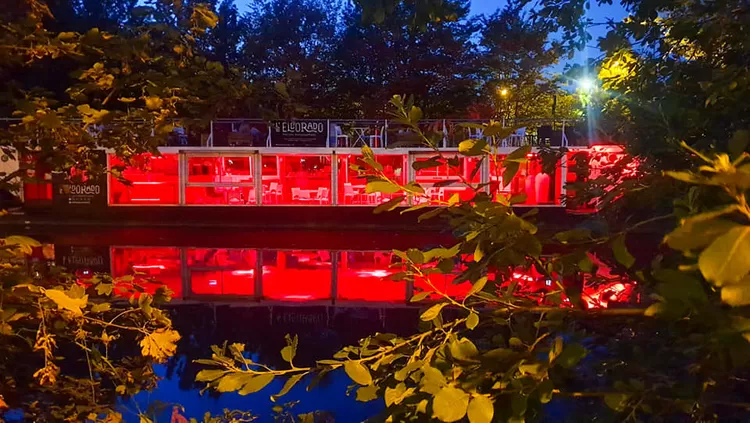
x=22, y=243
x=160, y=345
x=64, y=302
x=153, y=102
x=126, y=99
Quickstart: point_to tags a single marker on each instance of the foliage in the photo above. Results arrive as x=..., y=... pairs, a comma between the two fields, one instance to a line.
x=66, y=345
x=501, y=353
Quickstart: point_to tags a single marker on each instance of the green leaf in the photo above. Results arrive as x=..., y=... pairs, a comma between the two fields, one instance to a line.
x=473, y=147
x=510, y=172
x=726, y=259
x=382, y=186
x=577, y=234
x=367, y=393
x=426, y=164
x=358, y=372
x=617, y=402
x=209, y=375
x=415, y=114
x=450, y=404
x=429, y=214
x=420, y=296
x=622, y=255
x=545, y=391
x=463, y=349
x=556, y=350
x=472, y=321
x=389, y=205
x=288, y=385
x=478, y=285
x=415, y=255
x=571, y=355
x=481, y=409
x=695, y=234
x=432, y=312
x=518, y=155
x=256, y=383
x=64, y=302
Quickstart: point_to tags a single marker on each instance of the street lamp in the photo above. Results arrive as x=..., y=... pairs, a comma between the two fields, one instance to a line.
x=504, y=92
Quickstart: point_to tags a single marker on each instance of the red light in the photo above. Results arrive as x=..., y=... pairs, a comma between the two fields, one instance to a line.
x=148, y=266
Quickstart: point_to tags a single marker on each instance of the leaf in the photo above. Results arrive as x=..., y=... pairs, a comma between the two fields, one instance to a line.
x=104, y=289
x=556, y=350
x=367, y=393
x=209, y=375
x=571, y=355
x=737, y=295
x=472, y=321
x=474, y=147
x=23, y=243
x=478, y=254
x=432, y=312
x=545, y=390
x=126, y=99
x=478, y=286
x=445, y=183
x=463, y=349
x=256, y=383
x=288, y=352
x=578, y=234
x=415, y=255
x=393, y=395
x=160, y=344
x=726, y=259
x=481, y=409
x=389, y=205
x=697, y=234
x=622, y=255
x=420, y=296
x=426, y=164
x=153, y=102
x=64, y=302
x=100, y=308
x=450, y=404
x=510, y=172
x=382, y=186
x=455, y=198
x=288, y=385
x=429, y=214
x=232, y=382
x=617, y=402
x=518, y=403
x=518, y=155
x=358, y=372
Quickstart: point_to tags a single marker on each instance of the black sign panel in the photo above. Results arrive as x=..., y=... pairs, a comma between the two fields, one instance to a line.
x=76, y=191
x=299, y=133
x=76, y=257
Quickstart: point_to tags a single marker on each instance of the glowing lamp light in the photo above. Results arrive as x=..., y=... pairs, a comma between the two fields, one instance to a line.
x=373, y=273
x=243, y=272
x=297, y=297
x=148, y=266
x=213, y=282
x=504, y=92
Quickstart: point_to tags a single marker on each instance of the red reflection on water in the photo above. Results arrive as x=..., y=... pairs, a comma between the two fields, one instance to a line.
x=149, y=267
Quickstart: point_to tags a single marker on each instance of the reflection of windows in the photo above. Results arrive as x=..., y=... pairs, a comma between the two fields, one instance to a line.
x=153, y=180
x=149, y=267
x=297, y=275
x=363, y=276
x=351, y=187
x=221, y=271
x=302, y=180
x=219, y=180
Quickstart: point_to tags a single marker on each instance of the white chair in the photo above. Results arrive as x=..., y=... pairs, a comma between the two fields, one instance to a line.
x=322, y=196
x=376, y=140
x=296, y=194
x=349, y=193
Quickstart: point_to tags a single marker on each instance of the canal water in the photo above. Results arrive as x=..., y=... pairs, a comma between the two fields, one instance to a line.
x=254, y=288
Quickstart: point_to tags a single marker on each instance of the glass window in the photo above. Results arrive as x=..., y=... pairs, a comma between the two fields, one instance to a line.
x=297, y=275
x=435, y=179
x=363, y=276
x=221, y=271
x=539, y=187
x=299, y=180
x=150, y=267
x=231, y=170
x=153, y=180
x=351, y=187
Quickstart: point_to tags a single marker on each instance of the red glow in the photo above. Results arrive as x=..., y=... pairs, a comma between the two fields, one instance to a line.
x=153, y=180
x=297, y=275
x=149, y=267
x=298, y=179
x=448, y=171
x=362, y=277
x=351, y=187
x=539, y=187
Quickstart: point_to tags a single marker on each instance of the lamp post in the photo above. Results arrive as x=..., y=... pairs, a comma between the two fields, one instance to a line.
x=504, y=93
